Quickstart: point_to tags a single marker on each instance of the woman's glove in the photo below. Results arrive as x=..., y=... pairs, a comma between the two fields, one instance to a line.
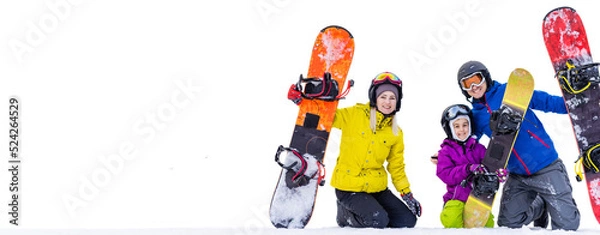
x=413, y=205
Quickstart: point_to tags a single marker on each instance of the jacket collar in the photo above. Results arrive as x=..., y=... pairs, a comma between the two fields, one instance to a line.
x=470, y=143
x=489, y=93
x=381, y=120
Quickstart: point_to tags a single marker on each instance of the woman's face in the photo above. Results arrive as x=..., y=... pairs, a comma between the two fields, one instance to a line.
x=386, y=102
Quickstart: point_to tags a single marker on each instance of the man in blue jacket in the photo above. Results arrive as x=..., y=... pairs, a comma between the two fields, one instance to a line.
x=538, y=184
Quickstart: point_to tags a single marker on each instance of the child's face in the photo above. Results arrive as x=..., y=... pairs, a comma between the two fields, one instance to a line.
x=461, y=128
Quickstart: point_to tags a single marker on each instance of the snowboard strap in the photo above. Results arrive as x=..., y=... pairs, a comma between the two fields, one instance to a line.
x=303, y=166
x=576, y=79
x=299, y=179
x=590, y=159
x=321, y=172
x=349, y=85
x=326, y=89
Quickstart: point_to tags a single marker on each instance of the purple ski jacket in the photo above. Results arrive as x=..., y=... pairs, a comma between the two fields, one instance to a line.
x=452, y=167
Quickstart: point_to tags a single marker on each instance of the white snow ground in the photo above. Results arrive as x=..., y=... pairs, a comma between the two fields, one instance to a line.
x=163, y=117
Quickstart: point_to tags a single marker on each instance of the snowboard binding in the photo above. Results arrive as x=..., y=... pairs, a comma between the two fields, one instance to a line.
x=486, y=183
x=296, y=175
x=590, y=159
x=326, y=89
x=576, y=79
x=505, y=121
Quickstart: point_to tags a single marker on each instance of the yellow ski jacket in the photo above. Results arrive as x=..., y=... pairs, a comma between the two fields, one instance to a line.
x=360, y=164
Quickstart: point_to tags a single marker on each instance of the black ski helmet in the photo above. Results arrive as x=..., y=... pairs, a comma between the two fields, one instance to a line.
x=453, y=111
x=385, y=78
x=468, y=69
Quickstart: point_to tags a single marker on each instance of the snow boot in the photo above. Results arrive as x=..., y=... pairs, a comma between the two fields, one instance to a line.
x=542, y=221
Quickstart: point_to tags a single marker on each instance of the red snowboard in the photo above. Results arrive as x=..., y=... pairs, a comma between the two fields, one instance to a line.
x=577, y=74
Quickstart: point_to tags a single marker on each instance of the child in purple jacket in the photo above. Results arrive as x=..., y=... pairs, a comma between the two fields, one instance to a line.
x=460, y=155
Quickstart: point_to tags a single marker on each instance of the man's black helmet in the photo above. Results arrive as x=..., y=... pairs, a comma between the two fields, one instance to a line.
x=469, y=68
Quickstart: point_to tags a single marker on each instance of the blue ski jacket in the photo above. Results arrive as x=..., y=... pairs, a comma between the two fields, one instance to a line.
x=533, y=149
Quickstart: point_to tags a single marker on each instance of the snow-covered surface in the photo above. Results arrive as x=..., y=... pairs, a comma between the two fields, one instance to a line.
x=163, y=117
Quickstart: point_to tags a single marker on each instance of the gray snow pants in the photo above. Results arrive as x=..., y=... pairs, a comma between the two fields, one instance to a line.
x=551, y=184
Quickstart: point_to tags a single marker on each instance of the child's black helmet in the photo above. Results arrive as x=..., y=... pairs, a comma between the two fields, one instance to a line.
x=451, y=113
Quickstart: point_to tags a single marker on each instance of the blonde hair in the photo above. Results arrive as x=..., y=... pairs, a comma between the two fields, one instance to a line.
x=373, y=119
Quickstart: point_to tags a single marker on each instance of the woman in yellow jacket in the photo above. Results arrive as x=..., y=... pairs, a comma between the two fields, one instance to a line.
x=370, y=136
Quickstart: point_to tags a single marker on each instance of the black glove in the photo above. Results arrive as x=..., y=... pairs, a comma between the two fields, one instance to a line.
x=505, y=121
x=494, y=121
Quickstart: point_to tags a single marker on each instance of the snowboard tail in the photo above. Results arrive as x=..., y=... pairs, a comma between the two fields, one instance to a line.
x=302, y=171
x=512, y=110
x=577, y=75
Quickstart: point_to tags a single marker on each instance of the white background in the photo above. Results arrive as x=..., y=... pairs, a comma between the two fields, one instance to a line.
x=167, y=114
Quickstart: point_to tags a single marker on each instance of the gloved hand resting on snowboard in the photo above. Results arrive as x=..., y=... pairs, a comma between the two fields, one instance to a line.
x=477, y=169
x=502, y=175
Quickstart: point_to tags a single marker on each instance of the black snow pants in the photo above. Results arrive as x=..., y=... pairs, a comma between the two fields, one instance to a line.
x=372, y=210
x=521, y=204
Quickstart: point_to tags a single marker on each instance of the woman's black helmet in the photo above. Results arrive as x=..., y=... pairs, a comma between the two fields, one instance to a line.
x=381, y=79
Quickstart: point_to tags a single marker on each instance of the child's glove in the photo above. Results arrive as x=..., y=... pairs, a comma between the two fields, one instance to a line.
x=502, y=175
x=477, y=169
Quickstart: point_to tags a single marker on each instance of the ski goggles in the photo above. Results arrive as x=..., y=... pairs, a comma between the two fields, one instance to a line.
x=467, y=83
x=455, y=111
x=387, y=76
